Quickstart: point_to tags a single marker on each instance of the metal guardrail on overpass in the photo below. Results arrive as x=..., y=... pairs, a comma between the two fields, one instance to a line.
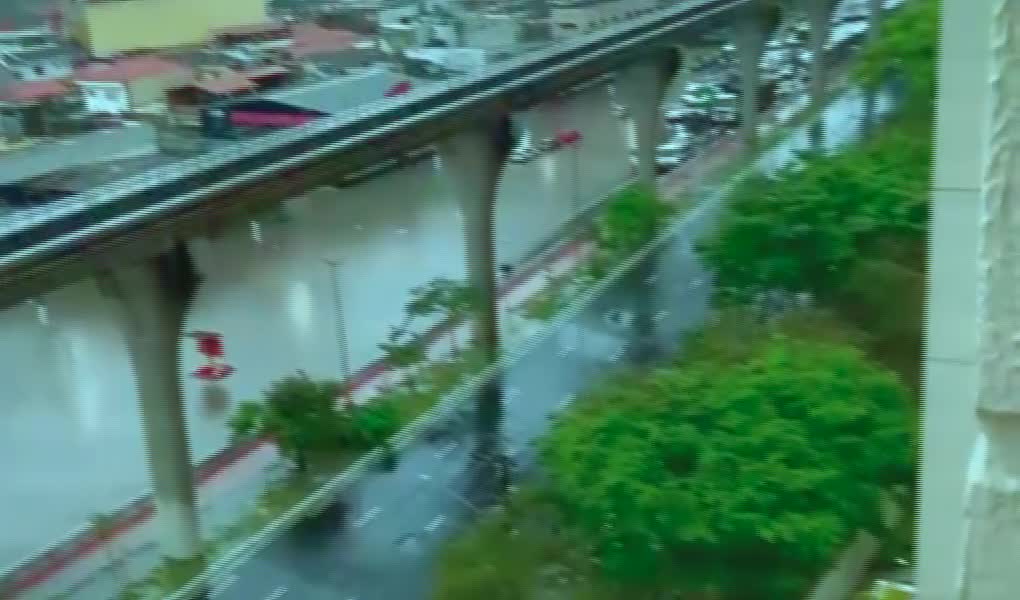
x=163, y=201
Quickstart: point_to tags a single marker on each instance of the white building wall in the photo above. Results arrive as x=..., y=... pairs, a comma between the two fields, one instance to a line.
x=570, y=18
x=105, y=97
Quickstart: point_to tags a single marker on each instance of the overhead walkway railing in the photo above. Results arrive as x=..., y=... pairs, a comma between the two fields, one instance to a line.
x=168, y=192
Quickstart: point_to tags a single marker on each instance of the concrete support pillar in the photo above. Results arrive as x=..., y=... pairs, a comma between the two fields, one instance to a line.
x=749, y=38
x=474, y=160
x=950, y=351
x=819, y=14
x=642, y=87
x=990, y=568
x=154, y=296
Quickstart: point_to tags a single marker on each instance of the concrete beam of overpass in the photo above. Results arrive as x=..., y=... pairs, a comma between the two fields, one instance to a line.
x=134, y=226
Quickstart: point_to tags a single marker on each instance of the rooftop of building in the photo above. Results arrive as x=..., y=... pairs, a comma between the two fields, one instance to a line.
x=128, y=69
x=28, y=91
x=311, y=39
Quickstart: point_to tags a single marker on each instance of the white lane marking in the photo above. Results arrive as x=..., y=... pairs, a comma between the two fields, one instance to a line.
x=277, y=593
x=425, y=477
x=618, y=354
x=402, y=231
x=565, y=351
x=446, y=450
x=697, y=282
x=652, y=279
x=661, y=315
x=368, y=516
x=565, y=401
x=512, y=394
x=435, y=523
x=222, y=586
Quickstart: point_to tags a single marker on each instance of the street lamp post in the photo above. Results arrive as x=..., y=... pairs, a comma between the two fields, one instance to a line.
x=576, y=187
x=341, y=331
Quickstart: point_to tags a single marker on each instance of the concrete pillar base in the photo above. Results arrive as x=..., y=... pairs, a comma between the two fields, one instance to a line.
x=819, y=13
x=154, y=296
x=642, y=87
x=749, y=38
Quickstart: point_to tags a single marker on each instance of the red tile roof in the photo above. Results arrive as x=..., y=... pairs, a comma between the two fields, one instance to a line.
x=25, y=91
x=311, y=39
x=129, y=69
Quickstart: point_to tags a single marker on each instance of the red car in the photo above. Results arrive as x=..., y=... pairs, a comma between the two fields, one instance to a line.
x=568, y=138
x=398, y=89
x=564, y=138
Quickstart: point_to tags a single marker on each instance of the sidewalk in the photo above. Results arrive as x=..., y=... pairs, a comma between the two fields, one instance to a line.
x=230, y=481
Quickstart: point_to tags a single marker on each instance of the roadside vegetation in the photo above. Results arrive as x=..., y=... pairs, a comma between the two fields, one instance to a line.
x=742, y=467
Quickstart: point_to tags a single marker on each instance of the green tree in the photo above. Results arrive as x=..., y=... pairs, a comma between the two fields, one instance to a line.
x=374, y=423
x=451, y=300
x=806, y=227
x=718, y=473
x=631, y=219
x=403, y=351
x=299, y=414
x=906, y=47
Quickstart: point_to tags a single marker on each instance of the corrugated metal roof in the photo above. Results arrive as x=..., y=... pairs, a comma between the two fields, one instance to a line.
x=343, y=93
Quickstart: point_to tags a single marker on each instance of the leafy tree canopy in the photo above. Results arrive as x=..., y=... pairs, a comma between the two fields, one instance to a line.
x=632, y=218
x=906, y=46
x=772, y=461
x=804, y=228
x=443, y=296
x=302, y=416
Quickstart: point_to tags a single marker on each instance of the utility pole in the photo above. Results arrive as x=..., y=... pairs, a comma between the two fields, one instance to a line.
x=341, y=331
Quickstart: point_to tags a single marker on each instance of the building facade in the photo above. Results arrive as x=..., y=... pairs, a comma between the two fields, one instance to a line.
x=129, y=85
x=577, y=17
x=111, y=27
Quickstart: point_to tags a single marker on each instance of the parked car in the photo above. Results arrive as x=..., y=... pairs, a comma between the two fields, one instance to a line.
x=523, y=154
x=562, y=139
x=398, y=89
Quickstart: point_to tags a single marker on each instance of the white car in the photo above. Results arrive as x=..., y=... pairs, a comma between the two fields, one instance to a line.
x=525, y=150
x=677, y=144
x=523, y=154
